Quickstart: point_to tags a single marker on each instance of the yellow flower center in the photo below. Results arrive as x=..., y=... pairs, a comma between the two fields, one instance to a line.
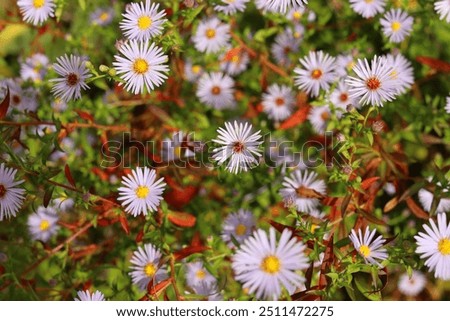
x=393, y=74
x=38, y=3
x=150, y=270
x=177, y=151
x=271, y=264
x=364, y=250
x=314, y=227
x=240, y=229
x=316, y=73
x=104, y=16
x=2, y=190
x=396, y=26
x=444, y=246
x=297, y=15
x=350, y=65
x=142, y=191
x=196, y=69
x=44, y=226
x=200, y=274
x=236, y=59
x=210, y=33
x=140, y=66
x=144, y=22
x=368, y=1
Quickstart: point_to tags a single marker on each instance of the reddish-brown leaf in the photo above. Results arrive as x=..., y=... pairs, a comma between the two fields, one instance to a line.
x=183, y=253
x=139, y=236
x=48, y=196
x=434, y=63
x=368, y=182
x=181, y=219
x=69, y=175
x=296, y=119
x=85, y=115
x=4, y=105
x=417, y=211
x=390, y=205
x=159, y=288
x=124, y=222
x=180, y=197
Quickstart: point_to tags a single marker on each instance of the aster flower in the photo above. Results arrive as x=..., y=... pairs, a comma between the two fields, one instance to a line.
x=216, y=90
x=234, y=61
x=102, y=16
x=63, y=203
x=434, y=245
x=340, y=98
x=443, y=9
x=278, y=102
x=317, y=72
x=87, y=296
x=231, y=7
x=397, y=25
x=208, y=289
x=303, y=189
x=36, y=11
x=318, y=117
x=344, y=64
x=238, y=226
x=447, y=105
x=73, y=74
x=279, y=152
x=296, y=14
x=402, y=72
x=283, y=6
x=11, y=196
x=374, y=84
x=34, y=68
x=412, y=286
x=20, y=99
x=42, y=225
x=426, y=199
x=285, y=44
x=367, y=247
x=211, y=35
x=196, y=274
x=142, y=21
x=178, y=147
x=141, y=67
x=140, y=191
x=192, y=72
x=239, y=145
x=366, y=8
x=146, y=266
x=264, y=265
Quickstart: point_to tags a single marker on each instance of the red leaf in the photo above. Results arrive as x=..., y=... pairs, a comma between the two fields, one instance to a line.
x=368, y=182
x=69, y=175
x=181, y=254
x=417, y=211
x=297, y=118
x=139, y=236
x=179, y=196
x=5, y=104
x=182, y=219
x=434, y=63
x=124, y=222
x=85, y=115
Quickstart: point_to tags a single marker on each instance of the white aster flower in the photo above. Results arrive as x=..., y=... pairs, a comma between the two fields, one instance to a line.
x=238, y=226
x=239, y=145
x=279, y=152
x=296, y=14
x=397, y=25
x=73, y=74
x=371, y=250
x=402, y=72
x=192, y=72
x=443, y=9
x=211, y=36
x=20, y=99
x=216, y=90
x=318, y=117
x=234, y=61
x=34, y=68
x=43, y=224
x=413, y=285
x=140, y=191
x=340, y=98
x=426, y=199
x=178, y=147
x=231, y=7
x=141, y=67
x=278, y=102
x=434, y=245
x=102, y=16
x=368, y=8
x=285, y=44
x=64, y=203
x=374, y=84
x=208, y=289
x=142, y=21
x=447, y=105
x=303, y=189
x=344, y=64
x=146, y=266
x=87, y=296
x=36, y=11
x=317, y=72
x=264, y=267
x=283, y=6
x=196, y=274
x=11, y=196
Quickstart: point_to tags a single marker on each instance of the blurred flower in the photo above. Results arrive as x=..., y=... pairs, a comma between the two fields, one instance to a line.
x=142, y=21
x=264, y=265
x=340, y=98
x=211, y=35
x=397, y=25
x=317, y=72
x=318, y=117
x=239, y=145
x=87, y=296
x=192, y=72
x=59, y=105
x=64, y=203
x=435, y=246
x=34, y=68
x=216, y=89
x=102, y=16
x=36, y=11
x=447, y=105
x=146, y=267
x=177, y=147
x=11, y=196
x=238, y=226
x=140, y=192
x=374, y=84
x=20, y=99
x=443, y=9
x=234, y=61
x=368, y=248
x=295, y=14
x=285, y=44
x=141, y=67
x=426, y=199
x=304, y=189
x=389, y=188
x=208, y=289
x=368, y=8
x=283, y=6
x=278, y=102
x=402, y=72
x=230, y=7
x=344, y=64
x=42, y=224
x=74, y=73
x=196, y=274
x=413, y=285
